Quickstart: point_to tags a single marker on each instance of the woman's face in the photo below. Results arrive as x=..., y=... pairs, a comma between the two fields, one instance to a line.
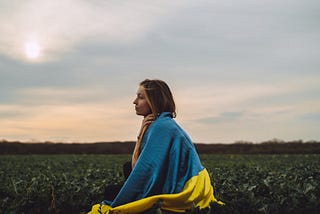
x=141, y=105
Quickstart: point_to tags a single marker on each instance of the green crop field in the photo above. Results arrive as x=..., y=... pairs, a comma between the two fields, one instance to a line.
x=246, y=183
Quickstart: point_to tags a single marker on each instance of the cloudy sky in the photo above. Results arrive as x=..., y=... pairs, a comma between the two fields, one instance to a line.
x=239, y=70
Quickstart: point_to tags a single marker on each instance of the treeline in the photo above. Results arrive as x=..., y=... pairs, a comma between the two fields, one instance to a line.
x=241, y=147
x=269, y=147
x=66, y=148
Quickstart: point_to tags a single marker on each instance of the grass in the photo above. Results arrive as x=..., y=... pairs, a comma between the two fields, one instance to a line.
x=72, y=183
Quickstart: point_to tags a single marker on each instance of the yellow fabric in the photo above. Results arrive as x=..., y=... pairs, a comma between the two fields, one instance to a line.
x=197, y=192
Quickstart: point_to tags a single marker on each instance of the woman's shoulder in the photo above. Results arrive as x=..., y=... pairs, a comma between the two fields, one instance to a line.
x=164, y=120
x=166, y=124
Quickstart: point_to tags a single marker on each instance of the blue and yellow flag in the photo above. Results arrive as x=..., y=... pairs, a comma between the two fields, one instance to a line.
x=168, y=171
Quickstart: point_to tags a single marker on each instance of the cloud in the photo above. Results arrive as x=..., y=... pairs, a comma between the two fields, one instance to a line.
x=222, y=117
x=63, y=95
x=311, y=116
x=223, y=112
x=59, y=26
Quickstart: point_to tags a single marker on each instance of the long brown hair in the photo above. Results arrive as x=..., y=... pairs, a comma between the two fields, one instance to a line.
x=159, y=97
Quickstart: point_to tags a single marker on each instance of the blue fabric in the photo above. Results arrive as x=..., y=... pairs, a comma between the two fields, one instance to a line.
x=168, y=159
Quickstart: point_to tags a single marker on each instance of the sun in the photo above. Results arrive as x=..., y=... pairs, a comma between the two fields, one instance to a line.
x=32, y=49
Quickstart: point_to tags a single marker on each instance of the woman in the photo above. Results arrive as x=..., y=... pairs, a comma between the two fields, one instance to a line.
x=166, y=170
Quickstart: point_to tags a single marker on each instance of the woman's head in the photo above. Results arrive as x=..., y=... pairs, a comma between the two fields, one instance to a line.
x=154, y=96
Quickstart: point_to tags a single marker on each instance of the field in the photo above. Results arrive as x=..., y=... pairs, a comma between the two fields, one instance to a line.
x=246, y=183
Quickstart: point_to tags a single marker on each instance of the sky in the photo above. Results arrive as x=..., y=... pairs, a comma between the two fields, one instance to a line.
x=239, y=70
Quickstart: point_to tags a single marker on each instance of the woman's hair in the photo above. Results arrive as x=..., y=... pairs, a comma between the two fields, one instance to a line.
x=159, y=97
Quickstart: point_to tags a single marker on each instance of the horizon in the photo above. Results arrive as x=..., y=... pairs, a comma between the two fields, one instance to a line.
x=271, y=141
